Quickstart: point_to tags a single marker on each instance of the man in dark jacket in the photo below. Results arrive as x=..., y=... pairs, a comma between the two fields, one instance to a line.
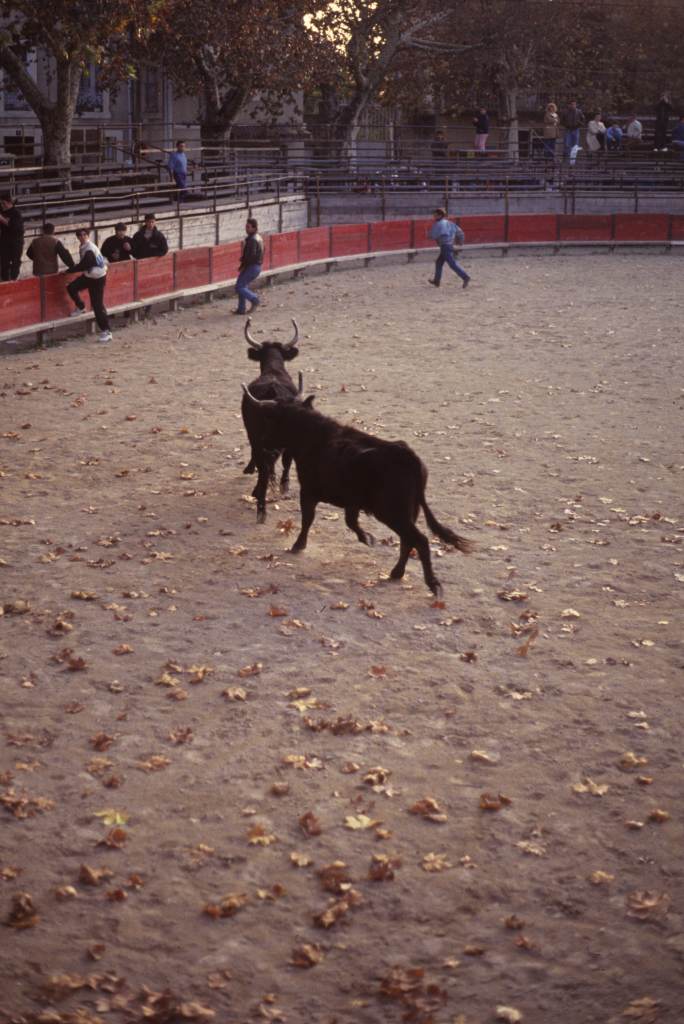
x=45, y=250
x=250, y=267
x=11, y=238
x=662, y=111
x=149, y=241
x=572, y=121
x=119, y=246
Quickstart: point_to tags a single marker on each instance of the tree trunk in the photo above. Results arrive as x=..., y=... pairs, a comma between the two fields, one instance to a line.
x=220, y=107
x=56, y=117
x=508, y=106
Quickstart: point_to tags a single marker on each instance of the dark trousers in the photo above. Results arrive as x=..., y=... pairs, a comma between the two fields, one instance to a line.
x=181, y=181
x=95, y=287
x=10, y=261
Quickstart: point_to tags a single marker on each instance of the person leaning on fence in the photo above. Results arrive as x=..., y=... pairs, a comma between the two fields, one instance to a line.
x=551, y=130
x=118, y=247
x=572, y=121
x=45, y=250
x=177, y=167
x=11, y=238
x=92, y=267
x=250, y=267
x=444, y=232
x=149, y=241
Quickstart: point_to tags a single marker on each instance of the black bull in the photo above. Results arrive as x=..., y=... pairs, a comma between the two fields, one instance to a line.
x=343, y=466
x=273, y=382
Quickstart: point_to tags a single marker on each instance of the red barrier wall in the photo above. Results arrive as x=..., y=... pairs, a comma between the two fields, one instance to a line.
x=484, y=229
x=584, y=228
x=677, y=227
x=641, y=227
x=20, y=303
x=284, y=249
x=225, y=259
x=155, y=276
x=314, y=244
x=347, y=239
x=390, y=234
x=119, y=287
x=33, y=300
x=420, y=229
x=192, y=267
x=57, y=303
x=533, y=227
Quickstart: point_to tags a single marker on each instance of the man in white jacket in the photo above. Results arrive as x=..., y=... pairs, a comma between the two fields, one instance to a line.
x=93, y=268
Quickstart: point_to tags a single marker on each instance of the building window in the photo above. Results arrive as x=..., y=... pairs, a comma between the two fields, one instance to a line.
x=92, y=98
x=13, y=99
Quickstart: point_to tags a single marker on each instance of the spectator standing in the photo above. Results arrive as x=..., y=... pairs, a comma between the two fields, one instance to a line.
x=178, y=169
x=444, y=232
x=45, y=250
x=481, y=123
x=634, y=131
x=573, y=119
x=92, y=267
x=596, y=134
x=662, y=111
x=118, y=247
x=11, y=238
x=613, y=137
x=149, y=241
x=250, y=267
x=551, y=130
x=678, y=138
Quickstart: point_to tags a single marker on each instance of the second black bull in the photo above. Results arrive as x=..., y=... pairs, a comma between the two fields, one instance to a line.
x=343, y=466
x=275, y=383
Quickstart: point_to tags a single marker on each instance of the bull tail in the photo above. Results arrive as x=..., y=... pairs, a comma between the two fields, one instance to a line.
x=444, y=533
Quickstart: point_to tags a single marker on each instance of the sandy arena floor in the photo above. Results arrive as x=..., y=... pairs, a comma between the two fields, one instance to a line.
x=197, y=725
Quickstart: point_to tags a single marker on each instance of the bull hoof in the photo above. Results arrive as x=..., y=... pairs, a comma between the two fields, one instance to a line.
x=249, y=468
x=397, y=574
x=436, y=588
x=297, y=548
x=261, y=515
x=368, y=539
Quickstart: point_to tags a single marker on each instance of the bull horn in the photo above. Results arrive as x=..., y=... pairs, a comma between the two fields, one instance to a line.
x=300, y=389
x=263, y=403
x=248, y=336
x=296, y=335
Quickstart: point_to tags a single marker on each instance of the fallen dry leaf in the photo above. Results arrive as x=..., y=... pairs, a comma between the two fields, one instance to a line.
x=22, y=913
x=493, y=802
x=307, y=955
x=588, y=785
x=360, y=821
x=429, y=809
x=250, y=670
x=228, y=906
x=310, y=825
x=434, y=862
x=258, y=836
x=646, y=905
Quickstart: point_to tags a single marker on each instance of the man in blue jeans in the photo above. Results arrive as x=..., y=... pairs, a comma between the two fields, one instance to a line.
x=178, y=170
x=443, y=232
x=250, y=267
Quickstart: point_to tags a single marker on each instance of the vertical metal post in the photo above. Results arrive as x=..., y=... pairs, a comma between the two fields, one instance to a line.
x=446, y=196
x=636, y=197
x=383, y=199
x=318, y=200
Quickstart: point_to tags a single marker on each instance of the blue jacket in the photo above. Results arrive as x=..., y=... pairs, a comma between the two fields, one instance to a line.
x=443, y=232
x=178, y=163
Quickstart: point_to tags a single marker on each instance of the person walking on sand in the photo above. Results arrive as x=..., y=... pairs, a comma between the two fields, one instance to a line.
x=444, y=232
x=250, y=267
x=92, y=267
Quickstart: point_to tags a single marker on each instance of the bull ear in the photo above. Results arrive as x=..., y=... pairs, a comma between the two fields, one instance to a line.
x=289, y=352
x=264, y=403
x=254, y=354
x=309, y=401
